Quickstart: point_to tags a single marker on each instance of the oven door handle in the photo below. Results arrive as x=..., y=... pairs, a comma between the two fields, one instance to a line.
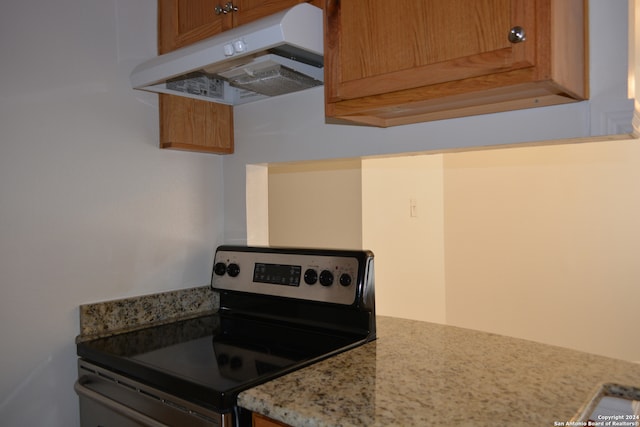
x=115, y=406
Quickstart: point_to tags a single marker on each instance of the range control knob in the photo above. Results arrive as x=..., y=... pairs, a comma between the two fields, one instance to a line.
x=326, y=278
x=233, y=269
x=235, y=363
x=310, y=276
x=220, y=268
x=223, y=359
x=345, y=279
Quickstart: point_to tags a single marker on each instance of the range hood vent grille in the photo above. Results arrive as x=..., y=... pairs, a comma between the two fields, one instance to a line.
x=268, y=75
x=274, y=81
x=197, y=83
x=273, y=56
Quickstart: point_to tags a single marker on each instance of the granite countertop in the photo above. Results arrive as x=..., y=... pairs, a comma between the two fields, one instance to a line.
x=113, y=317
x=418, y=374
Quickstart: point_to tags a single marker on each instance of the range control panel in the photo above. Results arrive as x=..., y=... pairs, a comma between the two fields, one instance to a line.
x=315, y=275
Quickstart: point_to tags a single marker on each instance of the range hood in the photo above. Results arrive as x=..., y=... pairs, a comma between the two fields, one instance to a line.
x=278, y=54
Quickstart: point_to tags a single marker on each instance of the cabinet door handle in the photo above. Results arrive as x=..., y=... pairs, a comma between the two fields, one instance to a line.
x=517, y=35
x=229, y=7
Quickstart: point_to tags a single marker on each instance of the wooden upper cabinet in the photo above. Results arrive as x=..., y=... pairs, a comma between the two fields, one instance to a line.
x=183, y=22
x=191, y=124
x=396, y=62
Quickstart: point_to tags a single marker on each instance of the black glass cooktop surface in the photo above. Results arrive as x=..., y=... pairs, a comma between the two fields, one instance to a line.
x=210, y=359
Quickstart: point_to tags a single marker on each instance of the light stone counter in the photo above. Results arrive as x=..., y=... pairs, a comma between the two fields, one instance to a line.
x=126, y=314
x=424, y=374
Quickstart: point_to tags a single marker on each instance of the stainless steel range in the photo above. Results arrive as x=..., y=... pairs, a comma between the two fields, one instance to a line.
x=280, y=309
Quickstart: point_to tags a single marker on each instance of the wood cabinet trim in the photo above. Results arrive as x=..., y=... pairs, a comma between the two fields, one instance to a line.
x=458, y=69
x=259, y=420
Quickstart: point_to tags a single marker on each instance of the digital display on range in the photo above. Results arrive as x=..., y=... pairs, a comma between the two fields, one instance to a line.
x=277, y=274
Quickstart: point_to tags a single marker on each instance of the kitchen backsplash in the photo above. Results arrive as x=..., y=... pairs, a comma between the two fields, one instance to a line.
x=109, y=317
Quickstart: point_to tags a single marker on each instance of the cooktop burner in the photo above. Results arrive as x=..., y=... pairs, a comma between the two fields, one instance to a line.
x=210, y=359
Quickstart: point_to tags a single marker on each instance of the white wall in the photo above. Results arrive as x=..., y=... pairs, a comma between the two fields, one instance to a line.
x=90, y=208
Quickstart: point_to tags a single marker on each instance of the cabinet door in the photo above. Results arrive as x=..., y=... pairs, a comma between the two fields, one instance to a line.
x=380, y=46
x=183, y=22
x=194, y=125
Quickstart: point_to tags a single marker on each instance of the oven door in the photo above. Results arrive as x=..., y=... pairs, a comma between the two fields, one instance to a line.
x=111, y=400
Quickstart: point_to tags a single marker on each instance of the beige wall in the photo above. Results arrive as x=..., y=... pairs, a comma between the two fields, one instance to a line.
x=540, y=243
x=315, y=204
x=347, y=204
x=543, y=243
x=408, y=243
